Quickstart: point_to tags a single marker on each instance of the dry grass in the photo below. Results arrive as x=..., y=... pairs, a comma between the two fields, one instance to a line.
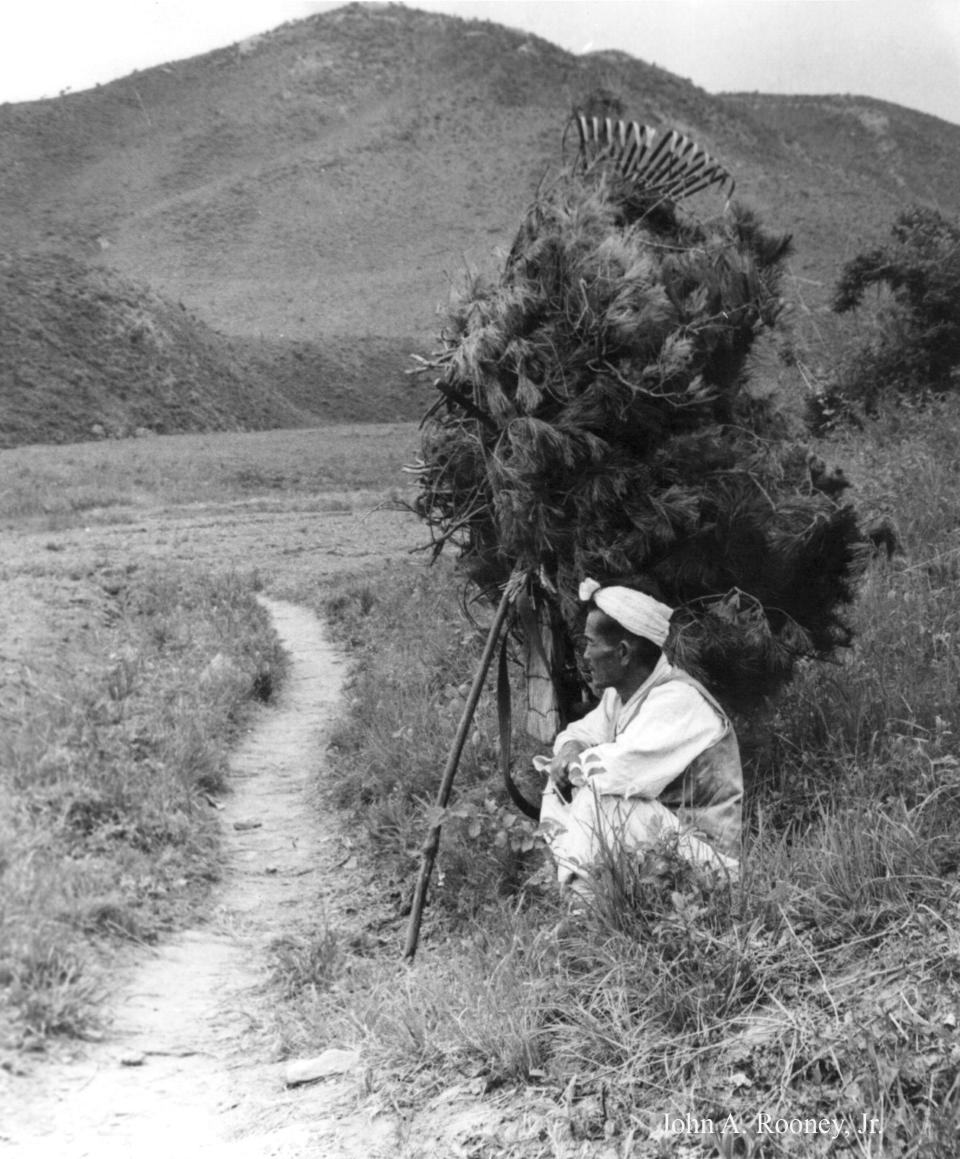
x=108, y=763
x=92, y=482
x=824, y=985
x=124, y=683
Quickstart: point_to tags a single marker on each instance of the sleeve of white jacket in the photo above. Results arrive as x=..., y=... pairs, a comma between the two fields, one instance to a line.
x=674, y=725
x=591, y=729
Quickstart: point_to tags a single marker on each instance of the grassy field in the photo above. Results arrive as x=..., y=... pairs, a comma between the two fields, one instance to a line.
x=126, y=670
x=110, y=479
x=110, y=759
x=823, y=988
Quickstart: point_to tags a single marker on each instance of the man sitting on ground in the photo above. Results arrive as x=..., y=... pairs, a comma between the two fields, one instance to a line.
x=657, y=756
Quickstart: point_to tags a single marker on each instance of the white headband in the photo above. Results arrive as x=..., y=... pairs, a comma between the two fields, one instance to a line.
x=638, y=613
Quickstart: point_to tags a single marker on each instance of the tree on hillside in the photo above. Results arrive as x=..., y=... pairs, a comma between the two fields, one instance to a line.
x=594, y=418
x=914, y=345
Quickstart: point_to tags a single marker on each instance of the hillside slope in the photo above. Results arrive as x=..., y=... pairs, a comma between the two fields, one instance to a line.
x=85, y=353
x=844, y=166
x=904, y=153
x=332, y=177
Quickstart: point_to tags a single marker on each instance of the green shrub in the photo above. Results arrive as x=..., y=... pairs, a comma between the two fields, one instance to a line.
x=911, y=343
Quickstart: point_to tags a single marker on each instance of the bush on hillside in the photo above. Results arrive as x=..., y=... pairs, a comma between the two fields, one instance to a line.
x=911, y=345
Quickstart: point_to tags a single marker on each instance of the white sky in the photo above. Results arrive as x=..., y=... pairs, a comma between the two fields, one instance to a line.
x=906, y=51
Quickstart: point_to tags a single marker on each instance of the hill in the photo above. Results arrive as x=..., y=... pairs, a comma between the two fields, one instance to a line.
x=327, y=181
x=86, y=353
x=329, y=176
x=901, y=152
x=841, y=166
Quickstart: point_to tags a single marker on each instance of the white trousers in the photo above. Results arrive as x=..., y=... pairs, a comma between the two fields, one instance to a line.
x=580, y=833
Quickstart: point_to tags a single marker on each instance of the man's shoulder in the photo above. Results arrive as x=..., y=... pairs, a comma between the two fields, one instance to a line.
x=676, y=682
x=679, y=687
x=680, y=676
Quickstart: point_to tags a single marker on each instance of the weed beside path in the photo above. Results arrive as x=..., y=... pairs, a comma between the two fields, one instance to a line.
x=114, y=752
x=188, y=1065
x=820, y=993
x=130, y=646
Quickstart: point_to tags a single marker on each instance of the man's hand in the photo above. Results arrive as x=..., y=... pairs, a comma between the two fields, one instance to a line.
x=564, y=769
x=559, y=773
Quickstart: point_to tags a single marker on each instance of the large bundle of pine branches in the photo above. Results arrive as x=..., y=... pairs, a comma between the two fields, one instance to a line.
x=594, y=418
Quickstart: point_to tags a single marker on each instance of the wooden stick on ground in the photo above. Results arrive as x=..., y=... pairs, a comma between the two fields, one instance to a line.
x=432, y=844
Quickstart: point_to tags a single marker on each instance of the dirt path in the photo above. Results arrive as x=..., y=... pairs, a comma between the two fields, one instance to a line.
x=185, y=1070
x=189, y=1067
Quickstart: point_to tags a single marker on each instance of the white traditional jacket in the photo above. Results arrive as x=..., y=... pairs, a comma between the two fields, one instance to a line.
x=670, y=742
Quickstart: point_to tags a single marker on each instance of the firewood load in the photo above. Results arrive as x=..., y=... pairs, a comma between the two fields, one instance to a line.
x=594, y=417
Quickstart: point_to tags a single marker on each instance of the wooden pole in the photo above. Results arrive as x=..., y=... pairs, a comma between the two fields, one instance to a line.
x=432, y=843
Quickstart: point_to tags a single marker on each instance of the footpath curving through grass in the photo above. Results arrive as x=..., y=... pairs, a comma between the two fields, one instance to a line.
x=110, y=760
x=813, y=1008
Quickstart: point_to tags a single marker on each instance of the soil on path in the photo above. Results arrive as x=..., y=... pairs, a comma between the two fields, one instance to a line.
x=189, y=1067
x=186, y=1069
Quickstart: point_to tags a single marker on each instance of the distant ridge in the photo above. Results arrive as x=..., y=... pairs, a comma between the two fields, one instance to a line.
x=331, y=175
x=905, y=150
x=333, y=178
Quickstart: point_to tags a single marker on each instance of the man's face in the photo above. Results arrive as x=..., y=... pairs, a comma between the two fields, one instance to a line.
x=604, y=657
